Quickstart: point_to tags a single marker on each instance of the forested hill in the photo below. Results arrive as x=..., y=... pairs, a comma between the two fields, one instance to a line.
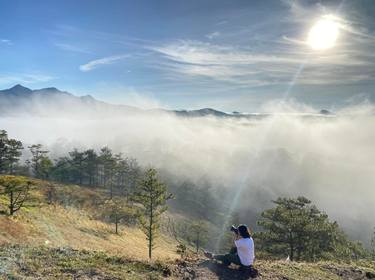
x=51, y=102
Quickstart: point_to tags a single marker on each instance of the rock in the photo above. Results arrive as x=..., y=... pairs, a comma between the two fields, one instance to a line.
x=167, y=272
x=187, y=276
x=370, y=275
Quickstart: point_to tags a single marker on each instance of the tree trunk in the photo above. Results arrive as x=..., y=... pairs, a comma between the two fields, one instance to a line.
x=150, y=248
x=197, y=243
x=11, y=204
x=291, y=253
x=150, y=231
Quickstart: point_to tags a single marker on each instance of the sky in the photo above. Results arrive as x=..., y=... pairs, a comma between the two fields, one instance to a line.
x=229, y=55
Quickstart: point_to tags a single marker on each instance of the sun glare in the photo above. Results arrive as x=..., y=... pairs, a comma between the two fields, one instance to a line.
x=323, y=34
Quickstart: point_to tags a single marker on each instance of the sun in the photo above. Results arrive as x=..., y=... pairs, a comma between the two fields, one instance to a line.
x=323, y=34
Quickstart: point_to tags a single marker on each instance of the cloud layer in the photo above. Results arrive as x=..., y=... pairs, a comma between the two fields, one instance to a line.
x=329, y=160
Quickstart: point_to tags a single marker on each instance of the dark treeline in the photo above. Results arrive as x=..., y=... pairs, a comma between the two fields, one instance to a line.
x=105, y=169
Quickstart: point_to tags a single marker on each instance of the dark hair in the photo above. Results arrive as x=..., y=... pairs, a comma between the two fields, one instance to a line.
x=244, y=231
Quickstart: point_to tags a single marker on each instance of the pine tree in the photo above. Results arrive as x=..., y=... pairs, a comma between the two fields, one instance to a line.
x=286, y=226
x=152, y=195
x=77, y=160
x=299, y=229
x=16, y=189
x=40, y=162
x=108, y=164
x=199, y=234
x=91, y=165
x=10, y=152
x=116, y=210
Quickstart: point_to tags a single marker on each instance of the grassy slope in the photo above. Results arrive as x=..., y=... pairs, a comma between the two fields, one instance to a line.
x=65, y=241
x=41, y=262
x=73, y=226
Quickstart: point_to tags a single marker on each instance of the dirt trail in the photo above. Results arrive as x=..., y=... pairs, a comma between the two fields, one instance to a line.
x=208, y=270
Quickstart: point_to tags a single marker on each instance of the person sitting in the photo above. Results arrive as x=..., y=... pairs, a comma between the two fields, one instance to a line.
x=243, y=252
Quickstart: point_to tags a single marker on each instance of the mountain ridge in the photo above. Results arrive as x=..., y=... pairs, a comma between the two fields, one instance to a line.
x=50, y=101
x=20, y=95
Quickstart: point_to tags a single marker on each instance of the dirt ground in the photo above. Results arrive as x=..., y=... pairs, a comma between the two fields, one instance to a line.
x=211, y=270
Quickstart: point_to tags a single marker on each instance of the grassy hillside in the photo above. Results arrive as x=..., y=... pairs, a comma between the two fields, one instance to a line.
x=41, y=262
x=68, y=240
x=72, y=221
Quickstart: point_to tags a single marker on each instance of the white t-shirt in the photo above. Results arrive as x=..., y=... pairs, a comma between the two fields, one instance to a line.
x=245, y=250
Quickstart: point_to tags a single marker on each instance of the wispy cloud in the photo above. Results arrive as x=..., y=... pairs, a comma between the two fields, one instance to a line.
x=304, y=11
x=244, y=66
x=102, y=61
x=93, y=37
x=201, y=53
x=6, y=42
x=222, y=22
x=72, y=48
x=213, y=35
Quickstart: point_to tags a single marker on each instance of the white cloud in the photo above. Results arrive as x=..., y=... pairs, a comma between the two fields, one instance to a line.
x=213, y=35
x=101, y=61
x=196, y=52
x=71, y=48
x=6, y=42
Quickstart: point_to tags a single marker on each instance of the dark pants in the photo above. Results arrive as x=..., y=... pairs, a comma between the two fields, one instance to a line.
x=227, y=259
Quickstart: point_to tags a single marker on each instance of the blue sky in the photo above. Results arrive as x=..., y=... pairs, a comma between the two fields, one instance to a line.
x=230, y=55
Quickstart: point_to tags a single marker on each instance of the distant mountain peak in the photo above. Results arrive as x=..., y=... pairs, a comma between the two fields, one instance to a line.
x=50, y=89
x=20, y=88
x=88, y=98
x=17, y=90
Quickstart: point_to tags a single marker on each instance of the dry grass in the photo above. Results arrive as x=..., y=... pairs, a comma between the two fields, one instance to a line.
x=57, y=225
x=41, y=262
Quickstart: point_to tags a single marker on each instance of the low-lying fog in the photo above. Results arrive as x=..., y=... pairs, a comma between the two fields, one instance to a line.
x=330, y=160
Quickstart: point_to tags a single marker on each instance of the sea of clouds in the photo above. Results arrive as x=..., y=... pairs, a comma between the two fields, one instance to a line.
x=329, y=159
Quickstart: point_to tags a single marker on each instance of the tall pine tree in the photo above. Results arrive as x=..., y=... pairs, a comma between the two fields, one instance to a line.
x=152, y=194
